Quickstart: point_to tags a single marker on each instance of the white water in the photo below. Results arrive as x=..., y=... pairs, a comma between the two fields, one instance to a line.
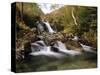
x=76, y=38
x=62, y=48
x=49, y=27
x=46, y=50
x=87, y=48
x=40, y=48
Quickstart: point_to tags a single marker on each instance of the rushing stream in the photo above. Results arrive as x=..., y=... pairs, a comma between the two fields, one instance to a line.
x=40, y=48
x=50, y=30
x=57, y=56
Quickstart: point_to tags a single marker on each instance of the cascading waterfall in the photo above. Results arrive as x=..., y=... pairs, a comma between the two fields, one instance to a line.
x=76, y=38
x=87, y=48
x=63, y=49
x=50, y=30
x=40, y=48
x=41, y=25
x=44, y=50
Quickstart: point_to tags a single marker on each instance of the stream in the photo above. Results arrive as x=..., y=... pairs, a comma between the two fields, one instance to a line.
x=43, y=57
x=58, y=50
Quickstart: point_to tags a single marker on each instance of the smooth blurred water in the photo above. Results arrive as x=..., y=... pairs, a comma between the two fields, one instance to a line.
x=50, y=30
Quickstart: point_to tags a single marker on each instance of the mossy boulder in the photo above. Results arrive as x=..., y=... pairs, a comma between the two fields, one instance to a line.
x=73, y=45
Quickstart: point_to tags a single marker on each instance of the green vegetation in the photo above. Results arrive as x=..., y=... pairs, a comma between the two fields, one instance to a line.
x=29, y=12
x=84, y=23
x=76, y=20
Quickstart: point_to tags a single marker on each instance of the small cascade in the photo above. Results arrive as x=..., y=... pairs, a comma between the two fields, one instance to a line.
x=58, y=50
x=76, y=38
x=87, y=48
x=63, y=49
x=46, y=50
x=39, y=48
x=50, y=30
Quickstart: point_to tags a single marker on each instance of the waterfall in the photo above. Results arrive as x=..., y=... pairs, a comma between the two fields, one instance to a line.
x=62, y=48
x=59, y=49
x=76, y=38
x=59, y=45
x=49, y=27
x=87, y=48
x=40, y=48
x=41, y=25
x=44, y=50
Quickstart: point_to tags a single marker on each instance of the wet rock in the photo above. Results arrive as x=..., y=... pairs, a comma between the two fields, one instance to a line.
x=73, y=45
x=54, y=49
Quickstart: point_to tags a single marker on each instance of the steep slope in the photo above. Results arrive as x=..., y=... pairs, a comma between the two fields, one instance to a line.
x=79, y=20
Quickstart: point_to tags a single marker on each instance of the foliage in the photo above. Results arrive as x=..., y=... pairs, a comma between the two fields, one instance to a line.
x=29, y=12
x=62, y=19
x=86, y=18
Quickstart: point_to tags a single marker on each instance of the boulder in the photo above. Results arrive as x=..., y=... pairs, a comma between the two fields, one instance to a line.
x=73, y=45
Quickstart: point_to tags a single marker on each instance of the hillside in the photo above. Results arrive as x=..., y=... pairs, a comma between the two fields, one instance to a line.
x=78, y=20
